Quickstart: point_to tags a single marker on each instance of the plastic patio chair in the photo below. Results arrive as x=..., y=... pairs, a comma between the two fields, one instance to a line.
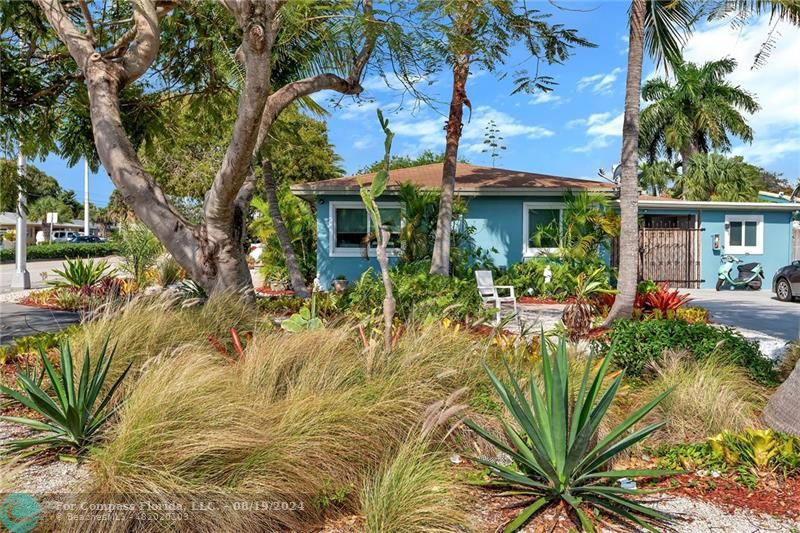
x=490, y=295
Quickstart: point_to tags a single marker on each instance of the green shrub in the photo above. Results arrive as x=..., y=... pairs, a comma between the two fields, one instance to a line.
x=417, y=293
x=79, y=273
x=62, y=251
x=71, y=416
x=637, y=343
x=527, y=277
x=554, y=444
x=139, y=249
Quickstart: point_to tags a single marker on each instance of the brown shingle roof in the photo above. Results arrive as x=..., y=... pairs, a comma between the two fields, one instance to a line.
x=469, y=178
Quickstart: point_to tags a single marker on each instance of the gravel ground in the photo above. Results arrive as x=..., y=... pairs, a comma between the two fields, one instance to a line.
x=15, y=296
x=704, y=517
x=37, y=478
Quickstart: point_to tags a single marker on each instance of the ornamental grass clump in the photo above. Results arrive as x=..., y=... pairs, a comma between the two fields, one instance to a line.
x=707, y=397
x=305, y=418
x=557, y=454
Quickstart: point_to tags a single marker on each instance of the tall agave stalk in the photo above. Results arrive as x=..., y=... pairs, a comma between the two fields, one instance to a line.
x=557, y=455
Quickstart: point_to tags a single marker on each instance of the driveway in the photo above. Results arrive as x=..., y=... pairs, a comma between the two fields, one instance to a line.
x=20, y=320
x=755, y=310
x=36, y=268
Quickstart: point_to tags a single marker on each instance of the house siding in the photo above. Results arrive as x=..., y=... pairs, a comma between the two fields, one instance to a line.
x=498, y=221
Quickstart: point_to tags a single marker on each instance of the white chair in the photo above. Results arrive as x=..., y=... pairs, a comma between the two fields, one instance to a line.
x=490, y=296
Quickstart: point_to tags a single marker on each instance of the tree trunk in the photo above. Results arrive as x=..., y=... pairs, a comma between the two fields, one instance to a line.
x=292, y=266
x=440, y=262
x=629, y=183
x=783, y=410
x=388, y=299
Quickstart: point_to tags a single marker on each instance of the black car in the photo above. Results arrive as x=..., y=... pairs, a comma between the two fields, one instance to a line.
x=82, y=239
x=786, y=282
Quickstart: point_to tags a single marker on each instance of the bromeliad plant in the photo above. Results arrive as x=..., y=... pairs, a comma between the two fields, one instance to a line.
x=72, y=416
x=554, y=445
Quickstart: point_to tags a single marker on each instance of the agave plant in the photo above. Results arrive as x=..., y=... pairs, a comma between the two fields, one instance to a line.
x=71, y=414
x=79, y=273
x=554, y=445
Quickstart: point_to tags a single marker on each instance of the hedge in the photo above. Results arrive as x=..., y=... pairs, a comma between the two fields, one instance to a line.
x=635, y=343
x=62, y=251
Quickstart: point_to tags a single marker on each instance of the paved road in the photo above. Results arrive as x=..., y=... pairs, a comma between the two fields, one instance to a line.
x=19, y=321
x=756, y=310
x=36, y=268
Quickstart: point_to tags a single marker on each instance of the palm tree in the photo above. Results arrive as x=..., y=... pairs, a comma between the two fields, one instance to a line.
x=483, y=32
x=662, y=28
x=716, y=177
x=655, y=177
x=699, y=111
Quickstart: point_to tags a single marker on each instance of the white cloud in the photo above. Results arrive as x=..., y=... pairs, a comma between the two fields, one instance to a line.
x=543, y=98
x=430, y=131
x=599, y=128
x=764, y=152
x=362, y=143
x=776, y=84
x=356, y=109
x=600, y=83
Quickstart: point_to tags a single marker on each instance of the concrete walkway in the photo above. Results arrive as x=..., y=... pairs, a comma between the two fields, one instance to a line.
x=751, y=310
x=20, y=320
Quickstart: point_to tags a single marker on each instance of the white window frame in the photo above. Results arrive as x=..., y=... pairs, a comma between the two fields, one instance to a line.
x=758, y=249
x=527, y=251
x=333, y=251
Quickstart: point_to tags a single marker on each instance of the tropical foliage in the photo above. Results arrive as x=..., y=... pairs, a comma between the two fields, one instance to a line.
x=79, y=273
x=140, y=250
x=698, y=112
x=719, y=178
x=557, y=453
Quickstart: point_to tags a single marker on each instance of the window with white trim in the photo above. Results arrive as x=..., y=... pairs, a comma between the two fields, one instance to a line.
x=351, y=226
x=744, y=234
x=538, y=216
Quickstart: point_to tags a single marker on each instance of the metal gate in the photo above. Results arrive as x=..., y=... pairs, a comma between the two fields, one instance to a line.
x=668, y=255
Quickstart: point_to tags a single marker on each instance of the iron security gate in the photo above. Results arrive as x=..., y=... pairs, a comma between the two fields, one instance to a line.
x=668, y=255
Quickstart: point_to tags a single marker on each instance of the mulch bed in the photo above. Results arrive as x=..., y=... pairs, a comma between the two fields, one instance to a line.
x=265, y=291
x=774, y=496
x=542, y=300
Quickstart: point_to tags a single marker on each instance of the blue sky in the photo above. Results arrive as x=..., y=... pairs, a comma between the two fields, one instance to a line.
x=573, y=131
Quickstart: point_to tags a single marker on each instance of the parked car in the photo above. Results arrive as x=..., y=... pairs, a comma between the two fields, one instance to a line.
x=62, y=235
x=80, y=239
x=786, y=282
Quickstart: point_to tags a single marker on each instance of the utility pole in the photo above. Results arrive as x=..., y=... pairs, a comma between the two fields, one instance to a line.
x=85, y=196
x=22, y=278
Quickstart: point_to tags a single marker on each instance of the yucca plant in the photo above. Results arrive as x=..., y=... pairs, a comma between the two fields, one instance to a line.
x=72, y=417
x=557, y=455
x=79, y=273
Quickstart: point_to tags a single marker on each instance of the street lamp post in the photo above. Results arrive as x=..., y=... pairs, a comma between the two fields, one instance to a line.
x=86, y=197
x=22, y=278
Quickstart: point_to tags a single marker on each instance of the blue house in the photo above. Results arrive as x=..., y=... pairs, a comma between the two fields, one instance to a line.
x=681, y=241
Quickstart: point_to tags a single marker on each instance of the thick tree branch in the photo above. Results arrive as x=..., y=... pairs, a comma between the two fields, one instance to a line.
x=78, y=44
x=144, y=48
x=258, y=36
x=284, y=96
x=87, y=16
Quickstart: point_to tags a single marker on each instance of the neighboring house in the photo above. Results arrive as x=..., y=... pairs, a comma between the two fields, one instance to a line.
x=8, y=221
x=682, y=241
